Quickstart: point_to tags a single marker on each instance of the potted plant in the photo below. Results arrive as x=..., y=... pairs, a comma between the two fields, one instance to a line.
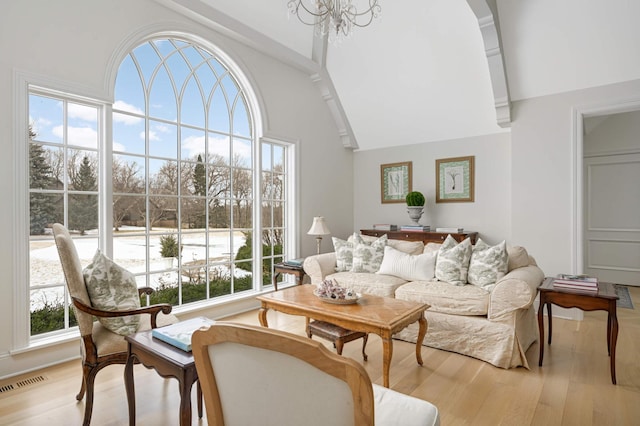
x=169, y=249
x=415, y=205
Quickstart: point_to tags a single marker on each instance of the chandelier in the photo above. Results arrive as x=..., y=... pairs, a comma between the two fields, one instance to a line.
x=336, y=17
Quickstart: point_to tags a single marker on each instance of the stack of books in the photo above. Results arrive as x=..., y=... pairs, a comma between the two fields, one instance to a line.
x=450, y=230
x=385, y=227
x=415, y=228
x=294, y=262
x=576, y=282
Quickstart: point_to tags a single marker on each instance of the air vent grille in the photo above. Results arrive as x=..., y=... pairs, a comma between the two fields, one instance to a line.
x=22, y=383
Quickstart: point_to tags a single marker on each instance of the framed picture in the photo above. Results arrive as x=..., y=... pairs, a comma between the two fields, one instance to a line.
x=454, y=179
x=395, y=182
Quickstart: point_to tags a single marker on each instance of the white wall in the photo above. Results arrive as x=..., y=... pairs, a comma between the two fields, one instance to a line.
x=490, y=213
x=72, y=41
x=543, y=171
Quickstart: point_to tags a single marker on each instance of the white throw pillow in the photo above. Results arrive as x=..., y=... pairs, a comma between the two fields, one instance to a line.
x=488, y=263
x=406, y=266
x=112, y=288
x=368, y=257
x=344, y=252
x=452, y=264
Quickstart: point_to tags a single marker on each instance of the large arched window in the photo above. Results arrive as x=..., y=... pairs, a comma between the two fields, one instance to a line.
x=181, y=191
x=185, y=173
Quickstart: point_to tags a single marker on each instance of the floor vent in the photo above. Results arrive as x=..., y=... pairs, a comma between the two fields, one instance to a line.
x=22, y=383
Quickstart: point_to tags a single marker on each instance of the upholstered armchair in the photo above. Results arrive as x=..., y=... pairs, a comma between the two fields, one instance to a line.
x=99, y=346
x=253, y=375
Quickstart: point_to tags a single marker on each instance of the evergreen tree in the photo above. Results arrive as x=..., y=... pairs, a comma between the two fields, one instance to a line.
x=83, y=209
x=199, y=178
x=41, y=208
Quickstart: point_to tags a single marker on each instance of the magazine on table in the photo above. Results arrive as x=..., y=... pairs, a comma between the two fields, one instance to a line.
x=179, y=334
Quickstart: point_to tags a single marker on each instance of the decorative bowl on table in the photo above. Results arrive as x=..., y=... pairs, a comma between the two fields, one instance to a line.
x=330, y=292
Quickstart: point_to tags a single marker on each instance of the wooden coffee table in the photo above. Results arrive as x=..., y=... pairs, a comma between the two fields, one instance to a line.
x=604, y=299
x=383, y=316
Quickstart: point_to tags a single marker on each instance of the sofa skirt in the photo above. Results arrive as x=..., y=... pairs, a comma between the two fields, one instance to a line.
x=502, y=344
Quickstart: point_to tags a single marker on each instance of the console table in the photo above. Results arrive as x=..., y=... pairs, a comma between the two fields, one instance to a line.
x=424, y=236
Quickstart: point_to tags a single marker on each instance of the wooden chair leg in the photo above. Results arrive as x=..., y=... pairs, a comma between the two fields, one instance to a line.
x=83, y=386
x=90, y=379
x=364, y=345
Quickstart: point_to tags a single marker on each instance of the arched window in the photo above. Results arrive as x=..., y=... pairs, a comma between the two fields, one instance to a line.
x=195, y=204
x=185, y=173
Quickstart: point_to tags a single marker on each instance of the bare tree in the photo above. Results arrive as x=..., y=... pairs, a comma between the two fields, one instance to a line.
x=127, y=179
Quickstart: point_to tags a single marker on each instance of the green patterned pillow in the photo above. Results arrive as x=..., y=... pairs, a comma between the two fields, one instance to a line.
x=452, y=264
x=368, y=257
x=112, y=288
x=344, y=252
x=488, y=263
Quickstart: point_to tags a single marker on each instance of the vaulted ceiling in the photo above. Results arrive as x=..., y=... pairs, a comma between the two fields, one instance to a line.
x=433, y=70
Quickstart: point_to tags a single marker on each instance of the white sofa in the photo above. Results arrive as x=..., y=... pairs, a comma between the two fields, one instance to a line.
x=495, y=324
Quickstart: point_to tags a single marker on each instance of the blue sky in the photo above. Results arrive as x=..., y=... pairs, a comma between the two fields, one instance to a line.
x=213, y=86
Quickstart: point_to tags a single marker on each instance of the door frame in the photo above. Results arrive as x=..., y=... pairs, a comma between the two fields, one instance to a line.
x=578, y=114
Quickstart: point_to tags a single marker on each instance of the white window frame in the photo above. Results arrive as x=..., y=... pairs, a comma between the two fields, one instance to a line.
x=23, y=80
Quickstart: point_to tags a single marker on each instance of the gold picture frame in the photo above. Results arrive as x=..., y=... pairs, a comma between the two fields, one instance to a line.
x=455, y=180
x=395, y=182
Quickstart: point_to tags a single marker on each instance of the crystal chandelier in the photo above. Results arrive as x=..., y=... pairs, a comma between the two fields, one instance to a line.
x=336, y=17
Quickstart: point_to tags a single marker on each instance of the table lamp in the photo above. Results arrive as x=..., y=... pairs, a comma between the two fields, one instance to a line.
x=319, y=228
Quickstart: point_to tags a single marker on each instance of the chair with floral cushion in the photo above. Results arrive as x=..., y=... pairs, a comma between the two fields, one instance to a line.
x=102, y=341
x=254, y=375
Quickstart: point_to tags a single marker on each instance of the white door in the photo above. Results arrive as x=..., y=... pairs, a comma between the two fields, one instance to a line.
x=612, y=218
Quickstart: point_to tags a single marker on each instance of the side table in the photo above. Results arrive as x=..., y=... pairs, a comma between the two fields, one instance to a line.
x=168, y=361
x=286, y=268
x=602, y=300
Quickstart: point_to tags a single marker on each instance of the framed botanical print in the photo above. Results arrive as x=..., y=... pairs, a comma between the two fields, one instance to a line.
x=395, y=182
x=454, y=180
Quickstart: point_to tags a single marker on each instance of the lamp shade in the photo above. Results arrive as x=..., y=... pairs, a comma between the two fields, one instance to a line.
x=319, y=227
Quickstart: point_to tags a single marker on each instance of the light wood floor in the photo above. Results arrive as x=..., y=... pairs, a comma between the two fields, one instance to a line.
x=572, y=388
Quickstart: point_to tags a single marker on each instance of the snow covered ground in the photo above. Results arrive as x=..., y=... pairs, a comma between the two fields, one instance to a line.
x=131, y=253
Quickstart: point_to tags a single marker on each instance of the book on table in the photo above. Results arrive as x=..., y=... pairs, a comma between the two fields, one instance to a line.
x=294, y=262
x=576, y=280
x=415, y=228
x=575, y=287
x=179, y=334
x=450, y=230
x=385, y=227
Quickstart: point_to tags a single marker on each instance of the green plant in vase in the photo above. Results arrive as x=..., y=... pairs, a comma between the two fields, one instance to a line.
x=415, y=205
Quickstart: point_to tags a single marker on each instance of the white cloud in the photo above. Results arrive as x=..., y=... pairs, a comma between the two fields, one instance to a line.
x=194, y=145
x=153, y=136
x=82, y=136
x=82, y=112
x=124, y=118
x=243, y=149
x=162, y=128
x=38, y=125
x=117, y=146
